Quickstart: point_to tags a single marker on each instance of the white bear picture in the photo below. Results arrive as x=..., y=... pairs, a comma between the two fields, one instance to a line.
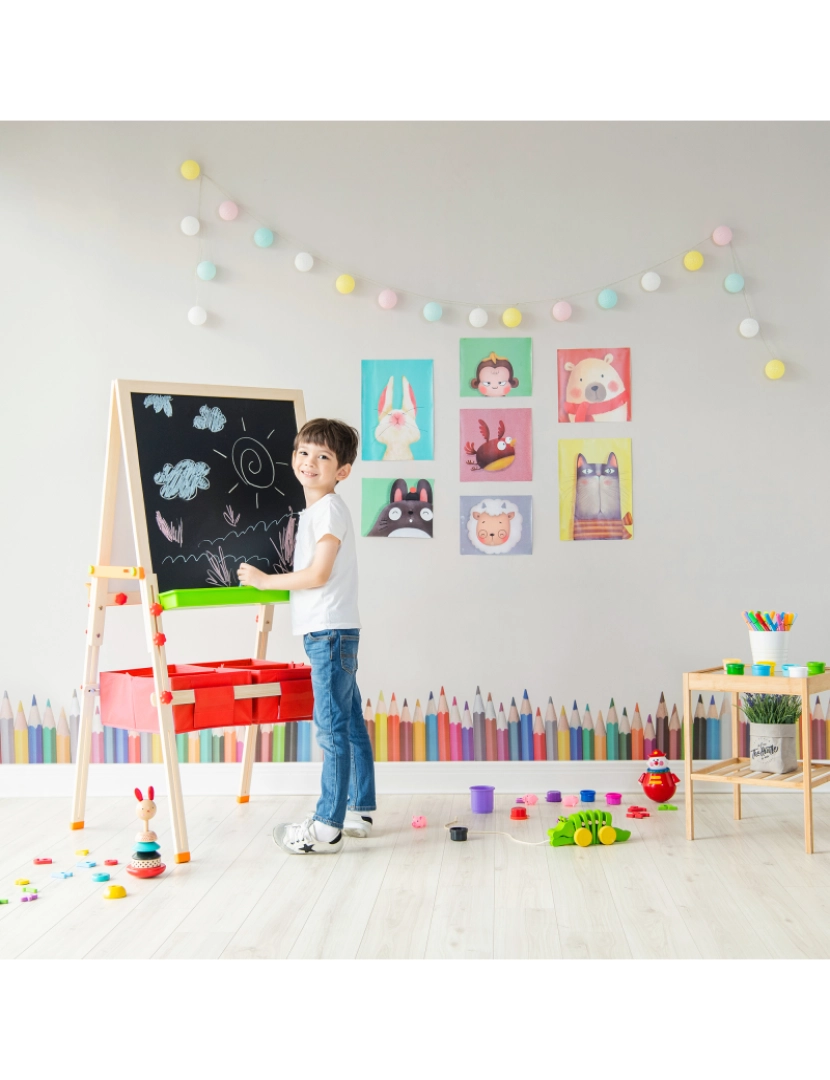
x=594, y=385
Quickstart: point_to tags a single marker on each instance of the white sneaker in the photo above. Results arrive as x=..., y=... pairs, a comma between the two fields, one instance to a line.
x=357, y=824
x=300, y=839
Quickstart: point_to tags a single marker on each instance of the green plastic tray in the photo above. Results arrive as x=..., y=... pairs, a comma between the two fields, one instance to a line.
x=217, y=597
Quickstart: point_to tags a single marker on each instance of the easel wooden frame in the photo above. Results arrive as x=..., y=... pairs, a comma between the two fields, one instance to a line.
x=121, y=436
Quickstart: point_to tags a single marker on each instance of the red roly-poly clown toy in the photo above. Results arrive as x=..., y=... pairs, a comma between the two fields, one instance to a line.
x=659, y=782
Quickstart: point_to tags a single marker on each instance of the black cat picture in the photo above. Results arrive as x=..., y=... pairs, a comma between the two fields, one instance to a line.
x=408, y=514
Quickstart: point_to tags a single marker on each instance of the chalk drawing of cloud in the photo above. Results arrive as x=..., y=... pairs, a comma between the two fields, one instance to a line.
x=183, y=480
x=160, y=402
x=209, y=419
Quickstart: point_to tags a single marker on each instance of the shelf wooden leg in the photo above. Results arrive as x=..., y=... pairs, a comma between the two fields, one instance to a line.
x=736, y=752
x=687, y=746
x=807, y=762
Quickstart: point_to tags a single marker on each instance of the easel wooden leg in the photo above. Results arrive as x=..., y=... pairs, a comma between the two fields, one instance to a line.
x=89, y=690
x=265, y=621
x=687, y=746
x=149, y=595
x=807, y=762
x=736, y=728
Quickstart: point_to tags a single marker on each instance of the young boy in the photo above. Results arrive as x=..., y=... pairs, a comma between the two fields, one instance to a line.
x=323, y=590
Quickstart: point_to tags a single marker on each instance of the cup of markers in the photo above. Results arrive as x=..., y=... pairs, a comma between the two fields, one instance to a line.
x=769, y=635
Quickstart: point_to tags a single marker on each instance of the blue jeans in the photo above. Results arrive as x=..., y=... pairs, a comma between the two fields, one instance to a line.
x=348, y=765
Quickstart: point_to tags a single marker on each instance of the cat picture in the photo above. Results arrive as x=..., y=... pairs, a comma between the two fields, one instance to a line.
x=406, y=511
x=595, y=497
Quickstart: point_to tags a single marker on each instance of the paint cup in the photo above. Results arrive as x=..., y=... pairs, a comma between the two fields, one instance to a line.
x=554, y=796
x=760, y=669
x=735, y=668
x=815, y=667
x=482, y=798
x=613, y=798
x=731, y=660
x=769, y=645
x=796, y=671
x=518, y=813
x=458, y=832
x=586, y=795
x=770, y=664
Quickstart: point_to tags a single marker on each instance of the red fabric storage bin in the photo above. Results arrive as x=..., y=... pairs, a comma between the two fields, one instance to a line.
x=296, y=701
x=125, y=698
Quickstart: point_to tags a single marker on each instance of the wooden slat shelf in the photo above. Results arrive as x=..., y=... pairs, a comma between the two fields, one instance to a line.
x=738, y=771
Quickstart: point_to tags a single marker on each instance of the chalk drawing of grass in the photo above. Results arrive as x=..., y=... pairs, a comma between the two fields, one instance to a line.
x=174, y=533
x=230, y=516
x=285, y=548
x=219, y=573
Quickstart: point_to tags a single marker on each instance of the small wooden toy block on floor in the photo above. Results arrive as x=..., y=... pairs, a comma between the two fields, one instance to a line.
x=210, y=485
x=738, y=771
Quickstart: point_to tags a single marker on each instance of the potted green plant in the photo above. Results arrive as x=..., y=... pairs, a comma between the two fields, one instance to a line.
x=772, y=727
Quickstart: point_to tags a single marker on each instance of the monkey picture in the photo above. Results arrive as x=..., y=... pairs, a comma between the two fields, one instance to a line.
x=496, y=367
x=494, y=377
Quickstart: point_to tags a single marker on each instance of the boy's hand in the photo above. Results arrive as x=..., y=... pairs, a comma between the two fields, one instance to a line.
x=249, y=575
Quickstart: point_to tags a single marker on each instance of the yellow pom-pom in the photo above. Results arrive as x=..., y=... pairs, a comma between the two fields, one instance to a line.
x=693, y=260
x=190, y=169
x=775, y=369
x=345, y=283
x=511, y=317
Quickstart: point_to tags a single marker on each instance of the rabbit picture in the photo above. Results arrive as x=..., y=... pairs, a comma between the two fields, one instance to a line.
x=397, y=429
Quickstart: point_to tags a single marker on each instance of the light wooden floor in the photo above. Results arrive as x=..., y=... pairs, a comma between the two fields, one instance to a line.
x=743, y=889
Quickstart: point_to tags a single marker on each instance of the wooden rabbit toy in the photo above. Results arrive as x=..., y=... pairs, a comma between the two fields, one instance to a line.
x=146, y=861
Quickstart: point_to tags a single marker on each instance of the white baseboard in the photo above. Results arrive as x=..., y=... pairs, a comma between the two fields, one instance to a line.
x=392, y=778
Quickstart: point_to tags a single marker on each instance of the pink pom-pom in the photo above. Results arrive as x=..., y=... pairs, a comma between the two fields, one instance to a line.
x=530, y=800
x=228, y=210
x=722, y=235
x=419, y=822
x=561, y=311
x=387, y=299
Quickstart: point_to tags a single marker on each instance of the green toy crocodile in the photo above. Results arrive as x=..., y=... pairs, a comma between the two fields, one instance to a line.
x=585, y=828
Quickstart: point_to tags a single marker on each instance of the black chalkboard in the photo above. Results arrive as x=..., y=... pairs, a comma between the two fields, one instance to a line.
x=217, y=484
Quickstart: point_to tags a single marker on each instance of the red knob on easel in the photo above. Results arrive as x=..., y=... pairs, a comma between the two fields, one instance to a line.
x=155, y=610
x=166, y=697
x=121, y=598
x=159, y=639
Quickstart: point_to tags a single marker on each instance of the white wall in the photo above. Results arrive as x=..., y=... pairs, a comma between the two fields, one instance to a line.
x=729, y=468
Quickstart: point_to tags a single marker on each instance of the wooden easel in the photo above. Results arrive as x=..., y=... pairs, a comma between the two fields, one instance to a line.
x=121, y=436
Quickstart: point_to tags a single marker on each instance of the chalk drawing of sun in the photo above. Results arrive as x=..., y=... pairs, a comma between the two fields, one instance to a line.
x=253, y=464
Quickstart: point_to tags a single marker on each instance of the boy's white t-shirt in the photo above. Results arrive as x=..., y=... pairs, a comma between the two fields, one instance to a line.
x=333, y=606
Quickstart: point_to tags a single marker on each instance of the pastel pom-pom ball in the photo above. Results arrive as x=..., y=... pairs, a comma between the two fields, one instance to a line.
x=722, y=236
x=651, y=281
x=478, y=317
x=607, y=299
x=419, y=822
x=206, y=270
x=749, y=327
x=531, y=800
x=303, y=262
x=387, y=299
x=433, y=311
x=190, y=226
x=693, y=260
x=775, y=369
x=228, y=210
x=344, y=284
x=511, y=317
x=561, y=311
x=263, y=237
x=190, y=169
x=197, y=316
x=733, y=283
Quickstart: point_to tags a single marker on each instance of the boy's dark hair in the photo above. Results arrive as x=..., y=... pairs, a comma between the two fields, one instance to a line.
x=341, y=438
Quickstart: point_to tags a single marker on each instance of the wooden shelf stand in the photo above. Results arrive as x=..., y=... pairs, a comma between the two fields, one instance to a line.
x=738, y=771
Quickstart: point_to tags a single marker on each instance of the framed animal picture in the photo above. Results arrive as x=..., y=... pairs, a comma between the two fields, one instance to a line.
x=496, y=526
x=496, y=444
x=496, y=367
x=595, y=489
x=399, y=509
x=397, y=410
x=594, y=385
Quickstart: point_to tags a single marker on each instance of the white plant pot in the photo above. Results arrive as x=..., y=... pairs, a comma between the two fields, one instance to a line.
x=772, y=747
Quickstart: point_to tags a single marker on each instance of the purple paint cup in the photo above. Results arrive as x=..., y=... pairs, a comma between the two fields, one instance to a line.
x=482, y=797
